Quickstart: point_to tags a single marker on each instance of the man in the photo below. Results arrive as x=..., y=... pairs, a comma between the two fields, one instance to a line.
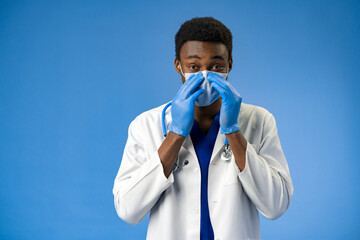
x=193, y=185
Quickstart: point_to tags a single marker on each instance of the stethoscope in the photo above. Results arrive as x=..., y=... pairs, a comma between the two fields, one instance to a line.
x=225, y=155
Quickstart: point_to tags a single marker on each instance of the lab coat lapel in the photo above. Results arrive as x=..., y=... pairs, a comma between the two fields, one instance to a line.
x=218, y=146
x=189, y=146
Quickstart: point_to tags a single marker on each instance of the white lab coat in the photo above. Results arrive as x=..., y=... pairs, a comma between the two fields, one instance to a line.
x=234, y=197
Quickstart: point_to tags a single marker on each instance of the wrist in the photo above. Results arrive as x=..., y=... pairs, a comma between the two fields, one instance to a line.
x=228, y=130
x=175, y=137
x=178, y=132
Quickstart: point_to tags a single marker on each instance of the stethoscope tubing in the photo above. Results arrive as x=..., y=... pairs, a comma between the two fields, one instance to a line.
x=163, y=118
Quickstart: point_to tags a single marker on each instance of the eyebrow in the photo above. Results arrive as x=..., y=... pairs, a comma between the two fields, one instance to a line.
x=217, y=57
x=193, y=56
x=213, y=57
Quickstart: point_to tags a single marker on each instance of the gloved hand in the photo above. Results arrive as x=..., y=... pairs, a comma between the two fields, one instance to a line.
x=231, y=102
x=183, y=105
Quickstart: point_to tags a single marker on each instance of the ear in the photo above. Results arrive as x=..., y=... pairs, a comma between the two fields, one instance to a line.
x=177, y=68
x=230, y=64
x=177, y=65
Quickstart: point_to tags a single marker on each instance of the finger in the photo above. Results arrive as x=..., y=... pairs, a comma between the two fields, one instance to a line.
x=217, y=75
x=192, y=84
x=186, y=84
x=192, y=76
x=197, y=94
x=192, y=79
x=213, y=77
x=220, y=90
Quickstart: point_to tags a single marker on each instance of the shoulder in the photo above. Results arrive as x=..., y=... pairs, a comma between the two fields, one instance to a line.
x=248, y=111
x=255, y=118
x=256, y=123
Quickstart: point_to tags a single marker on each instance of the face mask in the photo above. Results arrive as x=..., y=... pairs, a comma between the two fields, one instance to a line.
x=210, y=94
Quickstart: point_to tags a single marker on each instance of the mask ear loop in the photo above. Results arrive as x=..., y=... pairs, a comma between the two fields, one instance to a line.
x=181, y=69
x=227, y=73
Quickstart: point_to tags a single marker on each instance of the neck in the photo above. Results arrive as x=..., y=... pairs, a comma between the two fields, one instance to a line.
x=207, y=112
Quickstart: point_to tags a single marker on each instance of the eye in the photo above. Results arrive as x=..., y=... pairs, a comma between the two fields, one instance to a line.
x=218, y=67
x=193, y=67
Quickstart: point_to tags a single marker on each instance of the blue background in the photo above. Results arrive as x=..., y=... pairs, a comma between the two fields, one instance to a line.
x=74, y=75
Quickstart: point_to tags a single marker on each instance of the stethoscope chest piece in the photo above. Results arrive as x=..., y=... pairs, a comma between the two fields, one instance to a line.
x=226, y=154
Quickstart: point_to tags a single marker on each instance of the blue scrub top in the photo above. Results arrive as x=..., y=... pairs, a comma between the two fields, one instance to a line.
x=204, y=145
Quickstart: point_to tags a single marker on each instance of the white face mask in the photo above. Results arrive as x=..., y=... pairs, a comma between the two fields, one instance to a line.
x=210, y=94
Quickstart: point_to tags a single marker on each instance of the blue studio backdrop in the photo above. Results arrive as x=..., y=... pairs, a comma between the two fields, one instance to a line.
x=74, y=74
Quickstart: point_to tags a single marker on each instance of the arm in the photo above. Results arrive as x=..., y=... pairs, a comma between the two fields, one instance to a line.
x=169, y=150
x=238, y=145
x=265, y=176
x=142, y=179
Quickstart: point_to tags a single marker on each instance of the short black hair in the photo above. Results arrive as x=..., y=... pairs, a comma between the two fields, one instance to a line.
x=205, y=29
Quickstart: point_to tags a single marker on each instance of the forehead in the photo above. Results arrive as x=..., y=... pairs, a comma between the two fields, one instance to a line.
x=203, y=49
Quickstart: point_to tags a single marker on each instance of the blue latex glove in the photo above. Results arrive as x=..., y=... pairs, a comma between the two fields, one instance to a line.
x=183, y=105
x=231, y=102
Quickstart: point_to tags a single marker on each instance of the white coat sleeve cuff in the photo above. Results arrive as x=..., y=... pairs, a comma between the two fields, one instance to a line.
x=266, y=185
x=142, y=190
x=242, y=174
x=170, y=179
x=152, y=173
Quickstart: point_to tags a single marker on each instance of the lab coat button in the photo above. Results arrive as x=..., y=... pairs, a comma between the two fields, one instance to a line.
x=196, y=169
x=186, y=162
x=196, y=210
